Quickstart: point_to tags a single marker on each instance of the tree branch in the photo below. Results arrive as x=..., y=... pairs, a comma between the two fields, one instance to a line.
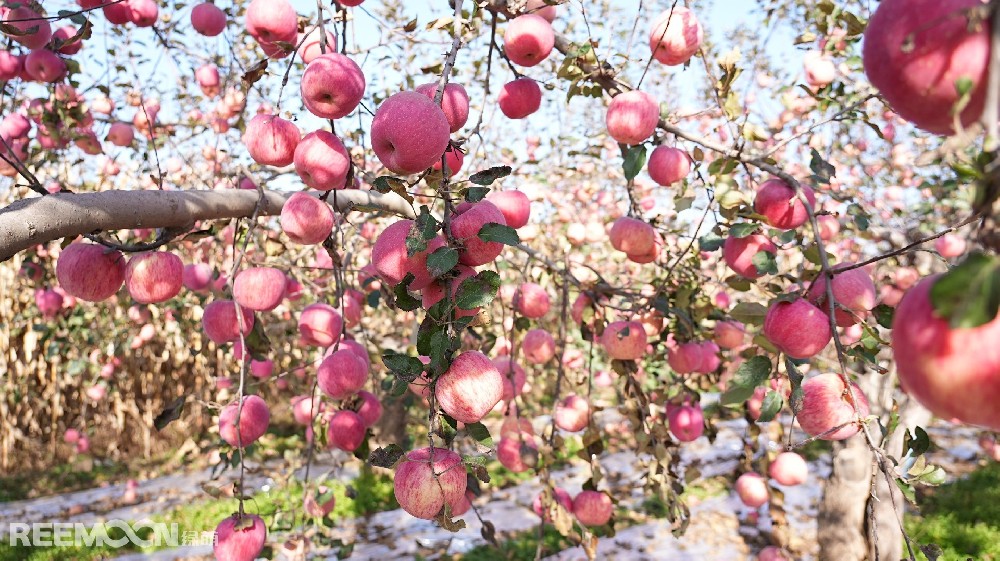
x=42, y=219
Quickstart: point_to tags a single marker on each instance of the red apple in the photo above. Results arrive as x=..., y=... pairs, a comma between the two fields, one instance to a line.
x=322, y=161
x=560, y=496
x=515, y=206
x=320, y=325
x=572, y=413
x=465, y=227
x=593, y=508
x=427, y=479
x=686, y=358
x=772, y=553
x=454, y=103
x=470, y=388
x=208, y=19
x=676, y=36
x=311, y=44
x=197, y=276
x=253, y=421
x=915, y=51
x=239, y=539
x=826, y=404
x=306, y=219
x=514, y=377
x=777, y=201
x=332, y=86
x=221, y=324
x=668, y=165
x=624, y=340
x=34, y=31
x=739, y=253
x=271, y=21
x=528, y=39
x=409, y=133
x=312, y=506
x=370, y=410
x=346, y=430
x=853, y=294
x=154, y=276
x=686, y=422
x=434, y=292
x=511, y=452
x=798, y=328
x=633, y=236
x=954, y=372
x=391, y=259
x=44, y=65
x=260, y=288
x=538, y=346
x=306, y=408
x=531, y=300
x=271, y=140
x=730, y=334
x=520, y=98
x=752, y=490
x=540, y=8
x=789, y=469
x=632, y=117
x=949, y=245
x=90, y=272
x=341, y=374
x=63, y=36
x=143, y=13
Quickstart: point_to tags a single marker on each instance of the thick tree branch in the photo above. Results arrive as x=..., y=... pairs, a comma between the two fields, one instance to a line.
x=42, y=219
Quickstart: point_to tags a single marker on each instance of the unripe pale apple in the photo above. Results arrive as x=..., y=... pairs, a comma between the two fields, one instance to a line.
x=239, y=539
x=668, y=165
x=154, y=276
x=593, y=508
x=208, y=19
x=34, y=31
x=270, y=21
x=90, y=272
x=777, y=201
x=470, y=388
x=531, y=300
x=306, y=220
x=305, y=408
x=520, y=98
x=197, y=276
x=853, y=290
x=322, y=161
x=624, y=340
x=632, y=236
x=826, y=404
x=729, y=334
x=514, y=377
x=271, y=140
x=819, y=69
x=341, y=374
x=789, y=469
x=346, y=430
x=686, y=358
x=632, y=117
x=370, y=410
x=538, y=346
x=954, y=372
x=739, y=253
x=332, y=86
x=512, y=452
x=260, y=288
x=528, y=39
x=254, y=418
x=221, y=324
x=676, y=36
x=320, y=325
x=428, y=479
x=572, y=413
x=465, y=227
x=515, y=206
x=409, y=133
x=916, y=51
x=798, y=328
x=454, y=103
x=752, y=490
x=686, y=422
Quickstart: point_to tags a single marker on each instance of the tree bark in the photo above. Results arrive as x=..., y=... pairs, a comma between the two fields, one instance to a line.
x=36, y=220
x=841, y=518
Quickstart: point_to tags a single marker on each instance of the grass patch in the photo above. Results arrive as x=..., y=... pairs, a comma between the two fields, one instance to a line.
x=962, y=517
x=63, y=478
x=518, y=547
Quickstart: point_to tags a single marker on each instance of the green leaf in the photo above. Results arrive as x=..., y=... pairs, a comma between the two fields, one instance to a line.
x=765, y=262
x=917, y=443
x=744, y=229
x=710, y=242
x=749, y=312
x=387, y=183
x=933, y=476
x=170, y=413
x=908, y=491
x=495, y=232
x=424, y=229
x=404, y=367
x=442, y=260
x=479, y=432
x=488, y=176
x=795, y=378
x=404, y=300
x=771, y=406
x=749, y=375
x=822, y=169
x=385, y=457
x=969, y=295
x=476, y=194
x=257, y=342
x=635, y=159
x=478, y=291
x=884, y=314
